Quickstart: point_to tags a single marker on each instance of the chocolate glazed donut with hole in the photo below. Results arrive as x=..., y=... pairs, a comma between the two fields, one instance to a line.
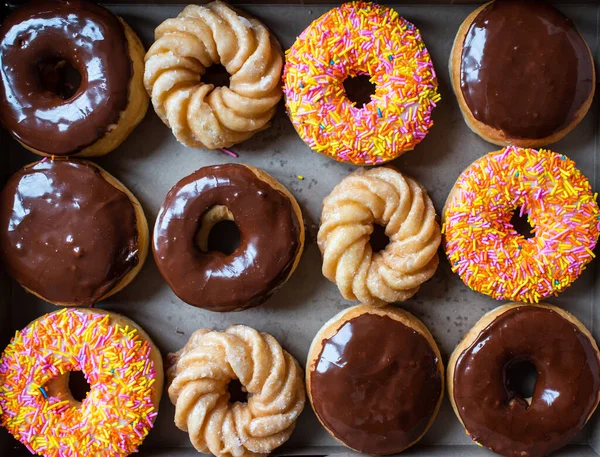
x=487, y=400
x=271, y=230
x=71, y=79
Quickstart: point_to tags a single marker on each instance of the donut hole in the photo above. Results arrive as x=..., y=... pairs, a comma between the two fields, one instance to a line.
x=521, y=224
x=218, y=231
x=237, y=392
x=520, y=379
x=359, y=89
x=224, y=237
x=71, y=386
x=216, y=75
x=59, y=77
x=78, y=385
x=378, y=239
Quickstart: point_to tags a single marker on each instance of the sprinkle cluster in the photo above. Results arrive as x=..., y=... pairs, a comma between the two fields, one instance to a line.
x=490, y=255
x=118, y=411
x=360, y=38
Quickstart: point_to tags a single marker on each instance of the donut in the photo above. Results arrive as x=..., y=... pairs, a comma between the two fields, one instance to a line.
x=199, y=376
x=522, y=73
x=566, y=393
x=199, y=114
x=375, y=379
x=367, y=198
x=269, y=221
x=360, y=38
x=485, y=249
x=118, y=360
x=39, y=104
x=70, y=233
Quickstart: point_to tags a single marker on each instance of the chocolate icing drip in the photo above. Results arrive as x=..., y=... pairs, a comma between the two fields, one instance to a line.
x=376, y=384
x=65, y=232
x=269, y=244
x=565, y=393
x=35, y=42
x=525, y=69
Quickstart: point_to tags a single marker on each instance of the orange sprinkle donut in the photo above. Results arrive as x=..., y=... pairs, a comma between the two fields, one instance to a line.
x=121, y=364
x=487, y=252
x=360, y=38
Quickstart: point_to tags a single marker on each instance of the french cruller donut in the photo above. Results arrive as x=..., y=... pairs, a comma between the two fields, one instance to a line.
x=199, y=114
x=566, y=393
x=50, y=110
x=350, y=213
x=199, y=376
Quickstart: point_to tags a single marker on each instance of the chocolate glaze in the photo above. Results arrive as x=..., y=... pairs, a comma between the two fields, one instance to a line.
x=376, y=384
x=565, y=393
x=269, y=244
x=36, y=37
x=525, y=68
x=65, y=232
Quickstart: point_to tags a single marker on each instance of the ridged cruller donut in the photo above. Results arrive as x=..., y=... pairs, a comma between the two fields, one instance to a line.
x=199, y=376
x=199, y=114
x=400, y=204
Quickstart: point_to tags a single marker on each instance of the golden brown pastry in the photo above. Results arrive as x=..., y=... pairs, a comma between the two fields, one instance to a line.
x=385, y=197
x=201, y=115
x=198, y=387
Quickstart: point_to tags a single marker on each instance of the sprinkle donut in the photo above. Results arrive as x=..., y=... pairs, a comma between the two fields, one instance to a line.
x=485, y=249
x=360, y=38
x=119, y=361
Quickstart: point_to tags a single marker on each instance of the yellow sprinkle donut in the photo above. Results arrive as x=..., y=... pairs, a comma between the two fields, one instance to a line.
x=360, y=38
x=487, y=252
x=121, y=364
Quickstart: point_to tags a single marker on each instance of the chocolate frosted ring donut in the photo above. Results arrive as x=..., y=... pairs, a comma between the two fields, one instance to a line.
x=40, y=103
x=270, y=224
x=566, y=393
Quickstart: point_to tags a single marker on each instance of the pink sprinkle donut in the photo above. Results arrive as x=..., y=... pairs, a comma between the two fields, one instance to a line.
x=121, y=365
x=485, y=249
x=360, y=38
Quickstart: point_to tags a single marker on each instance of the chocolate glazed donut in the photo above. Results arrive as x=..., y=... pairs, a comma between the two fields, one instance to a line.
x=70, y=232
x=270, y=224
x=522, y=73
x=39, y=104
x=375, y=379
x=566, y=392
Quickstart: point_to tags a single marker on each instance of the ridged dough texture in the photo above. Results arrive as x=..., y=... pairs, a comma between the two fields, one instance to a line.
x=201, y=115
x=378, y=196
x=201, y=374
